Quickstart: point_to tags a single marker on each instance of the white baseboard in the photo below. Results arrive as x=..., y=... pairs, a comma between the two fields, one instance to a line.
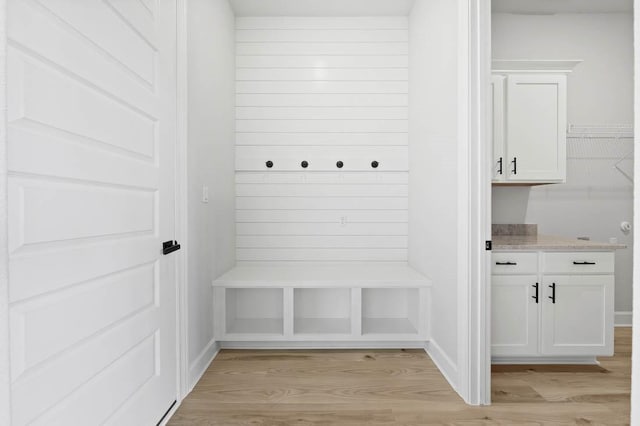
x=623, y=319
x=201, y=363
x=446, y=366
x=558, y=360
x=323, y=345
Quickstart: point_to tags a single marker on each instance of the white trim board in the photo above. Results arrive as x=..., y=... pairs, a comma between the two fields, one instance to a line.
x=200, y=365
x=474, y=201
x=528, y=65
x=623, y=318
x=5, y=377
x=257, y=345
x=547, y=360
x=182, y=278
x=446, y=366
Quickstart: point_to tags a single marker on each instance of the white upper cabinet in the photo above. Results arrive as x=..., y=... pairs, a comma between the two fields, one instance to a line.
x=498, y=126
x=530, y=121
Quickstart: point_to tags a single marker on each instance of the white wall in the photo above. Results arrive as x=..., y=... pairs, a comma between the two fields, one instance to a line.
x=433, y=154
x=211, y=237
x=596, y=197
x=322, y=90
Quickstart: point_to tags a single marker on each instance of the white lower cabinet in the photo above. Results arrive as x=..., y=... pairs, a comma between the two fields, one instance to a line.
x=514, y=315
x=563, y=310
x=577, y=315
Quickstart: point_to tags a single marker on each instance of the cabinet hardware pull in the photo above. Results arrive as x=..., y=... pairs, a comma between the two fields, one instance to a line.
x=536, y=296
x=515, y=165
x=304, y=164
x=500, y=164
x=506, y=263
x=553, y=293
x=169, y=247
x=375, y=164
x=269, y=164
x=339, y=164
x=584, y=263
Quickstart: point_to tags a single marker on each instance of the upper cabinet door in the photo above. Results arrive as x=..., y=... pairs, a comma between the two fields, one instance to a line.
x=498, y=127
x=536, y=128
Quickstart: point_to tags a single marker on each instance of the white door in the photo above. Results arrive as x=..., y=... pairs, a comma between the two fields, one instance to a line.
x=536, y=127
x=514, y=315
x=498, y=127
x=91, y=116
x=577, y=315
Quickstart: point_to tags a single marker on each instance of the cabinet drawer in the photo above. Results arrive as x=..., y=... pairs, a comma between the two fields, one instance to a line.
x=509, y=263
x=579, y=262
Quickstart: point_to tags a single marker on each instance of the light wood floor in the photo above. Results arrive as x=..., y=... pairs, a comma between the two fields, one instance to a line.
x=394, y=387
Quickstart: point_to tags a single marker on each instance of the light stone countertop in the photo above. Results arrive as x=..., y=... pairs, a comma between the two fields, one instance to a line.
x=548, y=242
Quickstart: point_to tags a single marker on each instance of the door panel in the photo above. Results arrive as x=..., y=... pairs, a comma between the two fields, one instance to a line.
x=514, y=315
x=580, y=322
x=536, y=128
x=498, y=127
x=91, y=108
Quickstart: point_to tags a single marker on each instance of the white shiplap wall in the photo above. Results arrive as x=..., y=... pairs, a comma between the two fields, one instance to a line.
x=322, y=90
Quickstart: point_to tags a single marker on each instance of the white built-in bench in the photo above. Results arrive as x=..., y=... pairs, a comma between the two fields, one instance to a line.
x=328, y=302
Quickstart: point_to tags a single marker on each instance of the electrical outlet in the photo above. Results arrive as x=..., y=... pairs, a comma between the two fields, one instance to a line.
x=205, y=194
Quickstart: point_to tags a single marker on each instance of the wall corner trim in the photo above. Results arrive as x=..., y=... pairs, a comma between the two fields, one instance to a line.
x=198, y=367
x=446, y=366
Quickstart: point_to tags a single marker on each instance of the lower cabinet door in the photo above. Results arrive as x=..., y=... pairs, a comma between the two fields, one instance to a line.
x=514, y=315
x=577, y=315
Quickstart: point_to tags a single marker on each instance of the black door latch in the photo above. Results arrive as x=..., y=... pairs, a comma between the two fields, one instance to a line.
x=170, y=246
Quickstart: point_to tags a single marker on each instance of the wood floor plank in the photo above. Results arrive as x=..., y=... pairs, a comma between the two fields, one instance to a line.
x=400, y=387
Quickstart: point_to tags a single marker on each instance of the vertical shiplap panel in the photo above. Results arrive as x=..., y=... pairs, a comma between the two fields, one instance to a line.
x=324, y=90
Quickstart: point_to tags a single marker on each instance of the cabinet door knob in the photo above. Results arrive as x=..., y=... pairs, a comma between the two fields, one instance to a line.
x=339, y=164
x=375, y=164
x=269, y=164
x=304, y=164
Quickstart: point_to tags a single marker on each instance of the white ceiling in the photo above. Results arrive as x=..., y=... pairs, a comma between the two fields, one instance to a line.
x=562, y=6
x=322, y=7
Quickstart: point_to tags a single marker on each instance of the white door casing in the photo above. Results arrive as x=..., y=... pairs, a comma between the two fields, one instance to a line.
x=91, y=141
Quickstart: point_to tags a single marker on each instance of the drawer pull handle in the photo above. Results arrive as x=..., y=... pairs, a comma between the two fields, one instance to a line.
x=506, y=263
x=584, y=263
x=553, y=293
x=500, y=166
x=536, y=296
